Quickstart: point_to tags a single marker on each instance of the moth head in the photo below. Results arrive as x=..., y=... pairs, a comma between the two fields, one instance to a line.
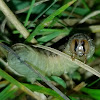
x=80, y=46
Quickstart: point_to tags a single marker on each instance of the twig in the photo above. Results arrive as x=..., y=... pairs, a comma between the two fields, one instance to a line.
x=95, y=28
x=79, y=86
x=89, y=16
x=3, y=25
x=12, y=18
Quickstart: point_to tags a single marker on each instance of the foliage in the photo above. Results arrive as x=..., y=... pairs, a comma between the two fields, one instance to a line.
x=48, y=22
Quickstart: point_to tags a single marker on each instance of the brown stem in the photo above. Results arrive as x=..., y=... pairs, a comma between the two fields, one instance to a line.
x=12, y=18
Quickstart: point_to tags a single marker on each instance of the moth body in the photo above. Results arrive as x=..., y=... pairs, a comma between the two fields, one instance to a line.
x=46, y=62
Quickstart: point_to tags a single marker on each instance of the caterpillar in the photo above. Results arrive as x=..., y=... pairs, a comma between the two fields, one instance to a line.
x=79, y=46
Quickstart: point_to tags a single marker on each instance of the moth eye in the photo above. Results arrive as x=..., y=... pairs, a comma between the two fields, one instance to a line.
x=73, y=45
x=86, y=46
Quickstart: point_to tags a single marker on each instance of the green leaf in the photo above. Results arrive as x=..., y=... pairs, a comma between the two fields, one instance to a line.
x=94, y=93
x=97, y=51
x=59, y=81
x=18, y=4
x=80, y=11
x=76, y=76
x=94, y=82
x=48, y=19
x=15, y=82
x=8, y=92
x=85, y=4
x=42, y=12
x=49, y=37
x=43, y=90
x=29, y=12
x=27, y=88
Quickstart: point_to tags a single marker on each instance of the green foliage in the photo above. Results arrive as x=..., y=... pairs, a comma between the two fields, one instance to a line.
x=8, y=92
x=52, y=35
x=43, y=90
x=46, y=21
x=94, y=93
x=18, y=4
x=11, y=89
x=59, y=81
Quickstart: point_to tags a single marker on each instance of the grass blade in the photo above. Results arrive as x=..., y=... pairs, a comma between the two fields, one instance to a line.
x=29, y=12
x=8, y=92
x=18, y=84
x=48, y=19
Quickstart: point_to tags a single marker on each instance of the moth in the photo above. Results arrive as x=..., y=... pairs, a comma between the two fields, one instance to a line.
x=79, y=46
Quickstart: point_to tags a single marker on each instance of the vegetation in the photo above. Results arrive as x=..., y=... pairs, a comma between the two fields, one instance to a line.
x=49, y=22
